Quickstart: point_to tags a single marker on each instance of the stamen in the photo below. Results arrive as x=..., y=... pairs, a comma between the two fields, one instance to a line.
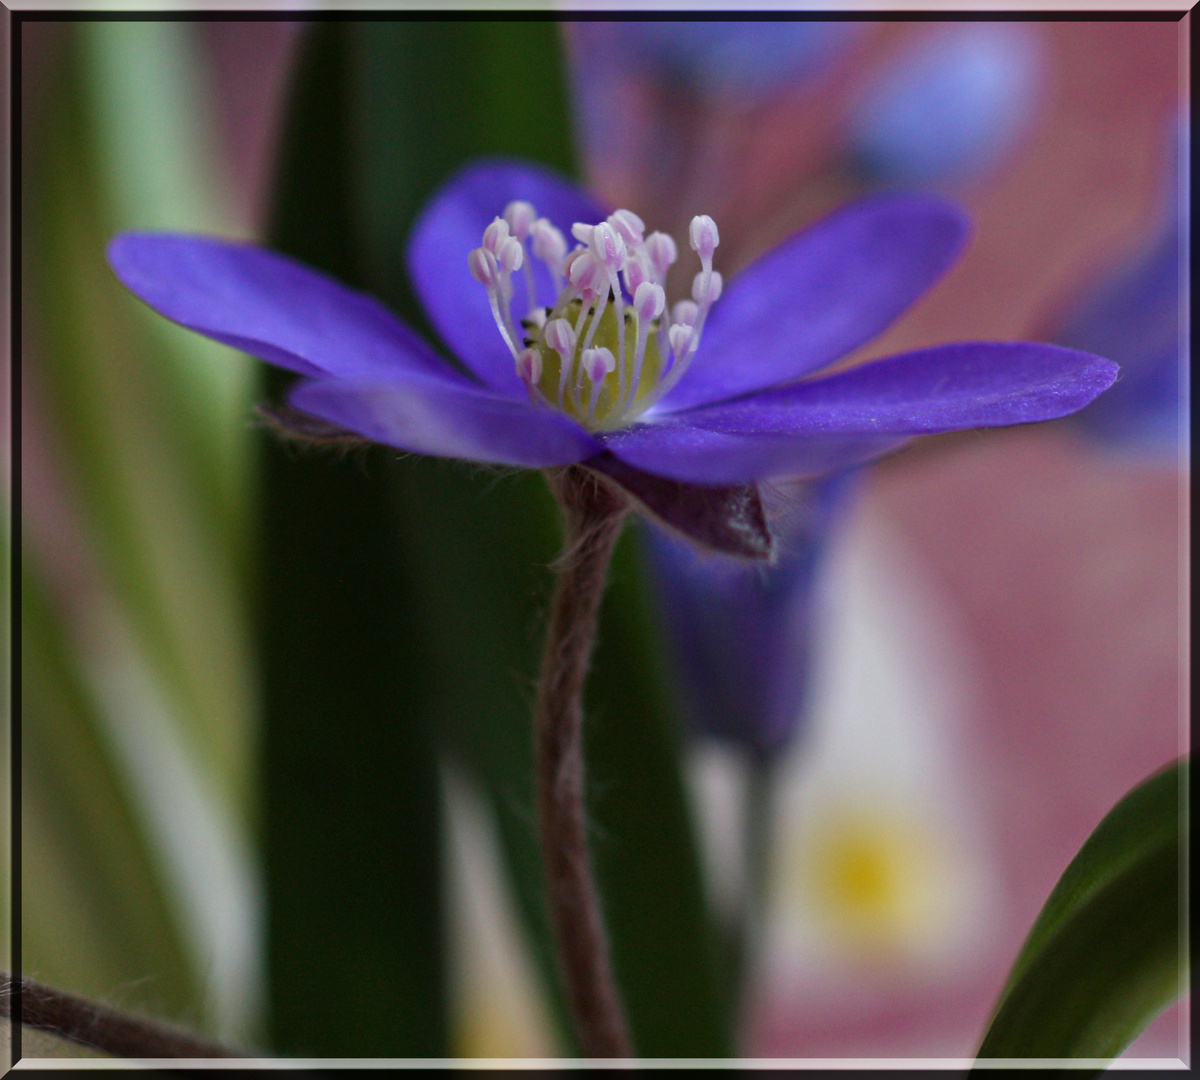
x=662, y=252
x=648, y=302
x=559, y=335
x=495, y=235
x=614, y=261
x=685, y=312
x=630, y=227
x=510, y=255
x=529, y=368
x=703, y=237
x=550, y=246
x=715, y=285
x=485, y=269
x=597, y=363
x=681, y=339
x=637, y=270
x=598, y=311
x=520, y=216
x=608, y=247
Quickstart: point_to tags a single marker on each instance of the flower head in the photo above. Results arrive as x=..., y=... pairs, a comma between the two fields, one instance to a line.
x=724, y=397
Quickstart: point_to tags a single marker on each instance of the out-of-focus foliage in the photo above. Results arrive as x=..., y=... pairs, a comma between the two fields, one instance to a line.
x=138, y=697
x=1105, y=955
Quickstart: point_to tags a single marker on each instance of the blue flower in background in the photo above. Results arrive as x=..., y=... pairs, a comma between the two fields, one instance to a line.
x=741, y=636
x=746, y=60
x=720, y=393
x=1134, y=317
x=950, y=106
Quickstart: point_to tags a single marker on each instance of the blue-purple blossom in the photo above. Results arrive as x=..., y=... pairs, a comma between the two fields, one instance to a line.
x=745, y=60
x=740, y=635
x=731, y=394
x=1133, y=316
x=949, y=106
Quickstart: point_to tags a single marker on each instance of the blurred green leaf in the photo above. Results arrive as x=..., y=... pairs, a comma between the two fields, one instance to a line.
x=127, y=525
x=1103, y=957
x=95, y=914
x=356, y=963
x=156, y=166
x=106, y=391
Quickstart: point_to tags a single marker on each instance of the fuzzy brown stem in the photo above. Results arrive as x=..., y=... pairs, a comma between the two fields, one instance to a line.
x=100, y=1027
x=594, y=512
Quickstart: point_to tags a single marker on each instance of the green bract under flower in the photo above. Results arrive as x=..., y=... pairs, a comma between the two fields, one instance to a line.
x=604, y=353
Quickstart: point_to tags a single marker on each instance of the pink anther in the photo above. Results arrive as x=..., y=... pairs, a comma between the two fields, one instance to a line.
x=703, y=236
x=636, y=271
x=549, y=245
x=520, y=216
x=484, y=267
x=649, y=301
x=680, y=336
x=587, y=273
x=598, y=363
x=628, y=224
x=685, y=312
x=662, y=251
x=529, y=366
x=560, y=336
x=608, y=247
x=511, y=254
x=495, y=235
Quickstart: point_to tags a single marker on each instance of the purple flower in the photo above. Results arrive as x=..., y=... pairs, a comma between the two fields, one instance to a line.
x=1133, y=314
x=714, y=392
x=741, y=635
x=746, y=60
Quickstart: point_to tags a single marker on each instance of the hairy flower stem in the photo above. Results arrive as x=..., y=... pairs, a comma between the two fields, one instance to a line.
x=594, y=513
x=100, y=1027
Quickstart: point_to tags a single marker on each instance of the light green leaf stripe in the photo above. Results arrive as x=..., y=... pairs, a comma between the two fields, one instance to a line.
x=1104, y=957
x=148, y=112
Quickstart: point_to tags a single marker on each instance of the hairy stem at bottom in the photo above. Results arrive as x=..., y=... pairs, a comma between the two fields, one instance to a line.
x=594, y=512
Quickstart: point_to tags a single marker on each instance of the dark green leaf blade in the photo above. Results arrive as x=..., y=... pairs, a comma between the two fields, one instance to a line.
x=1103, y=958
x=356, y=965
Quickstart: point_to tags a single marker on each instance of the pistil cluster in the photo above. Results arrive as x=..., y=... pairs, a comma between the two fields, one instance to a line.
x=603, y=354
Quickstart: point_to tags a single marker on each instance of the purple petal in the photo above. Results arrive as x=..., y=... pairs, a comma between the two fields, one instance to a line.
x=820, y=425
x=426, y=416
x=271, y=307
x=452, y=224
x=821, y=294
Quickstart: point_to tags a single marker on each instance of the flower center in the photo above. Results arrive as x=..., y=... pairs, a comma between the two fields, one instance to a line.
x=604, y=353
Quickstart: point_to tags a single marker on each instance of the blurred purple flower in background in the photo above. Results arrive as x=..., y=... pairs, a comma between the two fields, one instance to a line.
x=740, y=416
x=950, y=106
x=741, y=60
x=741, y=637
x=1133, y=317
